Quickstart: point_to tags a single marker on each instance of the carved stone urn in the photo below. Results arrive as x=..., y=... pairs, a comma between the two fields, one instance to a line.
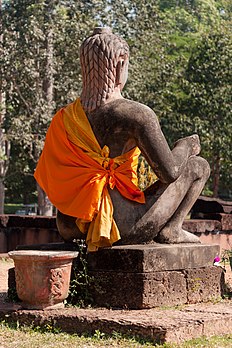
x=42, y=277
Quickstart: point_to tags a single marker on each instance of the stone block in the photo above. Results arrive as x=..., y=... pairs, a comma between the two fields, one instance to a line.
x=147, y=276
x=139, y=290
x=152, y=257
x=23, y=221
x=3, y=242
x=198, y=226
x=225, y=220
x=204, y=284
x=211, y=205
x=148, y=290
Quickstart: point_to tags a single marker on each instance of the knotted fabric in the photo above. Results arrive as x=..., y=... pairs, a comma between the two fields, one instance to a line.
x=75, y=172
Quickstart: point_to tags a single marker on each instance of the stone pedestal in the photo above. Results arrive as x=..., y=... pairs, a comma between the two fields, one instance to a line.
x=146, y=276
x=42, y=277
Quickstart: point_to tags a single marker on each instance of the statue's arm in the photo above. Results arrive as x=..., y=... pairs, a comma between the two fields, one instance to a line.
x=168, y=164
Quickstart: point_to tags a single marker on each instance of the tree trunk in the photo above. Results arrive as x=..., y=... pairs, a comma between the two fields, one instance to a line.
x=44, y=205
x=2, y=171
x=4, y=162
x=48, y=84
x=2, y=196
x=216, y=176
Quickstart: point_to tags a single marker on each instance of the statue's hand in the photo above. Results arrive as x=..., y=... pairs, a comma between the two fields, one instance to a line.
x=192, y=142
x=196, y=146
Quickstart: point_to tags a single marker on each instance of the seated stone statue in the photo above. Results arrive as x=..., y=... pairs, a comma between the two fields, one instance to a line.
x=88, y=165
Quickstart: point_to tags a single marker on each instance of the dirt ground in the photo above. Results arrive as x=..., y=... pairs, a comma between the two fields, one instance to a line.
x=5, y=264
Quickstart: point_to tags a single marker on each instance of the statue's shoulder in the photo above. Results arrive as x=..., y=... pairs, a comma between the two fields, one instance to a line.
x=131, y=108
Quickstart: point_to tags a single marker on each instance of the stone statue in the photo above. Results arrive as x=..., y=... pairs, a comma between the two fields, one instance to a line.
x=122, y=124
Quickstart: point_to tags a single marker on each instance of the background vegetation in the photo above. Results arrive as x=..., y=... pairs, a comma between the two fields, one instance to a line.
x=181, y=63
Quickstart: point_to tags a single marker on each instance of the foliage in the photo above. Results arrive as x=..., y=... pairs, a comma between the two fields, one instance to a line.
x=41, y=72
x=146, y=176
x=199, y=96
x=226, y=261
x=12, y=295
x=81, y=281
x=207, y=84
x=226, y=255
x=21, y=186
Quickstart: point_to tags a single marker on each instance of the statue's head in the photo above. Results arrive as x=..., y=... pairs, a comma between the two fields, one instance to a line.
x=104, y=63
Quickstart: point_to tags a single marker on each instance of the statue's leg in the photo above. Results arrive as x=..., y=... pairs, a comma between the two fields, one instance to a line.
x=161, y=217
x=168, y=205
x=172, y=232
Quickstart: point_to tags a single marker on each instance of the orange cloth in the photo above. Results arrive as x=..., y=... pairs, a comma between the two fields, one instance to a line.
x=75, y=172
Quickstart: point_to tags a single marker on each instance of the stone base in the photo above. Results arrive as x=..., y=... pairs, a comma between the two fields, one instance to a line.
x=146, y=276
x=44, y=306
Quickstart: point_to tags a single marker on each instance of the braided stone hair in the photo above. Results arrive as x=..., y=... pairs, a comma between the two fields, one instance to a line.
x=99, y=56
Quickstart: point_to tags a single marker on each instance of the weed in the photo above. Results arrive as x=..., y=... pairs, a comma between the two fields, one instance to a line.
x=175, y=307
x=227, y=258
x=227, y=291
x=196, y=284
x=12, y=295
x=98, y=335
x=215, y=299
x=81, y=281
x=46, y=328
x=6, y=260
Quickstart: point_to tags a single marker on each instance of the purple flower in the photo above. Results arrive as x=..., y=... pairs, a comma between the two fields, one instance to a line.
x=217, y=259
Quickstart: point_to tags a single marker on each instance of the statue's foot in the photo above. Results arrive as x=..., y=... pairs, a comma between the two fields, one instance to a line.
x=171, y=236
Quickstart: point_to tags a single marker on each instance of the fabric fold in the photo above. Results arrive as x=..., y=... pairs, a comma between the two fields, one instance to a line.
x=75, y=172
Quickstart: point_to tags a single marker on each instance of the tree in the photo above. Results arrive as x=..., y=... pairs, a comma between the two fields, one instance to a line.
x=29, y=75
x=41, y=70
x=4, y=142
x=209, y=104
x=190, y=24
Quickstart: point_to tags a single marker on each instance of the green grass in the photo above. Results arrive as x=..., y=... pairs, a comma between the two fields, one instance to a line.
x=12, y=336
x=11, y=209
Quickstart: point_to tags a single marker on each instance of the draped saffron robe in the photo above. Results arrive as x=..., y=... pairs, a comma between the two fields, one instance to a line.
x=75, y=172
